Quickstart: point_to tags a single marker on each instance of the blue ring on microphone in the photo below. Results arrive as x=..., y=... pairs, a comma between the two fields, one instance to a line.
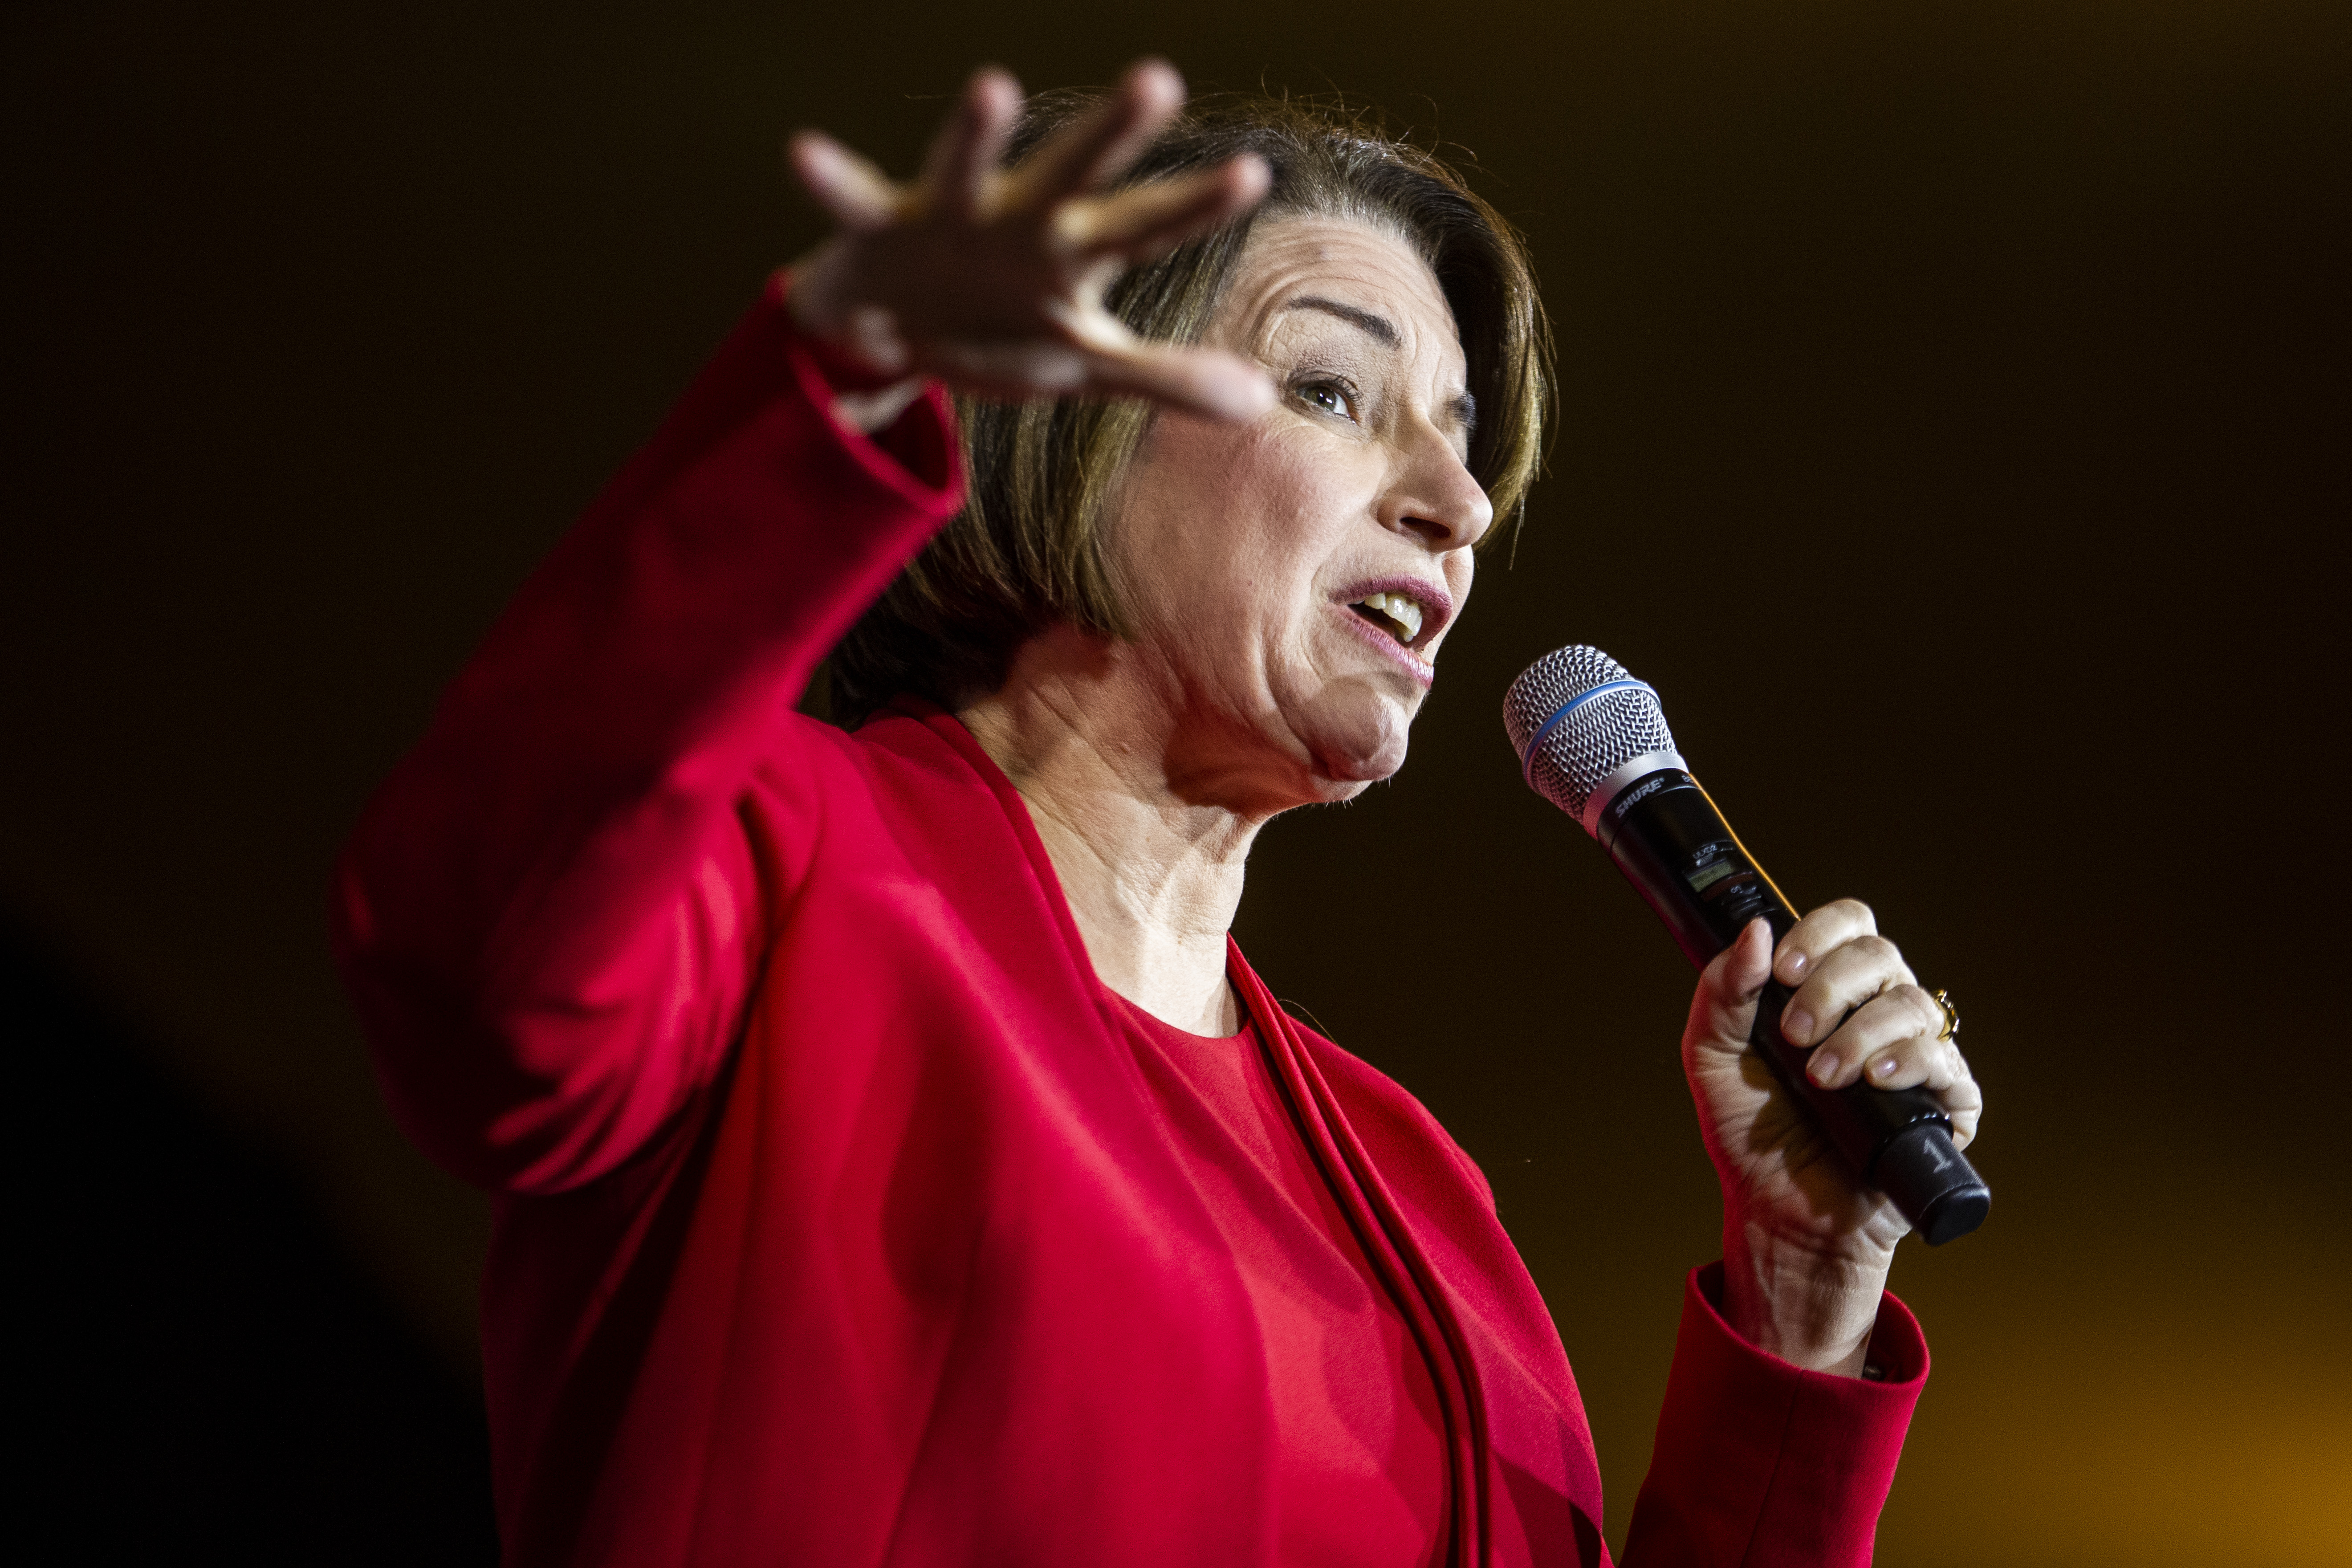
x=1534, y=741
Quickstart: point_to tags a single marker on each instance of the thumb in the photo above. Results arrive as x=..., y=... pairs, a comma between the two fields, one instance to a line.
x=1725, y=1009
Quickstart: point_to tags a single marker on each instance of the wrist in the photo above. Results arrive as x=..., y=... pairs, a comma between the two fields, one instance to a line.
x=1811, y=1308
x=857, y=348
x=871, y=383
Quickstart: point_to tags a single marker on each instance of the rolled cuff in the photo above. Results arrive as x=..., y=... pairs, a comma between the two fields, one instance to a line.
x=916, y=457
x=1760, y=1462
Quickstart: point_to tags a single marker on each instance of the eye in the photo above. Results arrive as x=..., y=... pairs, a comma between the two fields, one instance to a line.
x=1328, y=394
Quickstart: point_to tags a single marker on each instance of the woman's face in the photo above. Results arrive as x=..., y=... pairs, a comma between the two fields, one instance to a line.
x=1289, y=580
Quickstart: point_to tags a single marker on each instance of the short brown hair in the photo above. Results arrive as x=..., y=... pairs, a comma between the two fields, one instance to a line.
x=1026, y=550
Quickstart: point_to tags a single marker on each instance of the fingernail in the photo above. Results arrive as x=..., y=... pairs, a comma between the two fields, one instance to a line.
x=1793, y=964
x=1883, y=1067
x=1823, y=1068
x=1797, y=1026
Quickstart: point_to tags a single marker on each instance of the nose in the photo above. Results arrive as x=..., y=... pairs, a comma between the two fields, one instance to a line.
x=1433, y=496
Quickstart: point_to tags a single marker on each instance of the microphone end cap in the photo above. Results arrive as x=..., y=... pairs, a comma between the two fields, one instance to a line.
x=1932, y=1183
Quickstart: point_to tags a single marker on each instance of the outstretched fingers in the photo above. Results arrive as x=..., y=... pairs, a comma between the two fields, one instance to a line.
x=963, y=158
x=1083, y=154
x=1204, y=381
x=858, y=196
x=993, y=279
x=1137, y=225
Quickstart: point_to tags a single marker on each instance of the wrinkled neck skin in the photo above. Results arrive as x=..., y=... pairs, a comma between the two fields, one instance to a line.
x=1148, y=807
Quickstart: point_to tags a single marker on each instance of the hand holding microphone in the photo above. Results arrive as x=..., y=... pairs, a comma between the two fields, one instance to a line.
x=1862, y=1141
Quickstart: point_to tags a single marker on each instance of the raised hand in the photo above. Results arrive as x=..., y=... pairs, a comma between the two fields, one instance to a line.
x=993, y=278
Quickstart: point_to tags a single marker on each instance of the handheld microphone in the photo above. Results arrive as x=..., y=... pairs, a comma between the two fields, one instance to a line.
x=1594, y=742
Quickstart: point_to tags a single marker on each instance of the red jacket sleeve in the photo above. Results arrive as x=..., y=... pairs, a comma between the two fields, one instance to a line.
x=550, y=913
x=1761, y=1464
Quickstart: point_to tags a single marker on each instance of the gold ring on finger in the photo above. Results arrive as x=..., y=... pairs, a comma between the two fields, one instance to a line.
x=1951, y=1028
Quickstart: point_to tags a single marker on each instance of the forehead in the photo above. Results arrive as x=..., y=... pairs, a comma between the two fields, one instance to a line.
x=1343, y=261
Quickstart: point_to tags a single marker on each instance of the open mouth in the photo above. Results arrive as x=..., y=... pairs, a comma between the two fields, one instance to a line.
x=1399, y=615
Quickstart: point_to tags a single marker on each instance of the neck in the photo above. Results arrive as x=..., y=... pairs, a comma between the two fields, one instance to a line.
x=1152, y=870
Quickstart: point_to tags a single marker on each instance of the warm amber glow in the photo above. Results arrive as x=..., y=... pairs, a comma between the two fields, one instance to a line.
x=2182, y=1400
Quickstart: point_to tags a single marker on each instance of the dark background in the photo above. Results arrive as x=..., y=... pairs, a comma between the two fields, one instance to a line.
x=1954, y=431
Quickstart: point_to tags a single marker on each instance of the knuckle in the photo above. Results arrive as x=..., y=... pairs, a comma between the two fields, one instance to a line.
x=1923, y=1009
x=1817, y=997
x=1882, y=952
x=1891, y=1029
x=1888, y=1021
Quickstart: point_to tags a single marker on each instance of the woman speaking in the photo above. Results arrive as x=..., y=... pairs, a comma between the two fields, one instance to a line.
x=895, y=1161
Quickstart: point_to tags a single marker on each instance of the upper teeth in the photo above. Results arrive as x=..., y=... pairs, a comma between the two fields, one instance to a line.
x=1404, y=611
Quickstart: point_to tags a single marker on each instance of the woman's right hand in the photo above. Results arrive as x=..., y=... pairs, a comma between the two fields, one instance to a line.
x=993, y=278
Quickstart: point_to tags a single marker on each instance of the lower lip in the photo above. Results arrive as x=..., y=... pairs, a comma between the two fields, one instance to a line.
x=1396, y=652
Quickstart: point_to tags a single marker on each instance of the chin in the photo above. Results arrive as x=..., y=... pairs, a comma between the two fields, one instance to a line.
x=1357, y=738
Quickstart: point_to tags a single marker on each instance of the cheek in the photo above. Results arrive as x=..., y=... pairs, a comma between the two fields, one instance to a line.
x=1155, y=539
x=1236, y=527
x=1289, y=505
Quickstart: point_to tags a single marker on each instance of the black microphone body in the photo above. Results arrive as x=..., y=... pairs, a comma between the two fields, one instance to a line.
x=1592, y=740
x=1667, y=837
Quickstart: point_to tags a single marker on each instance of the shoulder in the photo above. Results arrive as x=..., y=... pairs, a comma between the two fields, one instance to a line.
x=908, y=793
x=907, y=758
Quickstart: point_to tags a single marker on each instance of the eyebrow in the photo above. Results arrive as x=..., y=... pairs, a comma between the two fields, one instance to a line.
x=1369, y=324
x=1464, y=407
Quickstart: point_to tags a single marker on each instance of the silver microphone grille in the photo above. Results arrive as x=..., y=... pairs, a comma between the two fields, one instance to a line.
x=1585, y=718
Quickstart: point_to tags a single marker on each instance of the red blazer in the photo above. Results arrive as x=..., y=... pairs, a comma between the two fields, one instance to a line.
x=833, y=1222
